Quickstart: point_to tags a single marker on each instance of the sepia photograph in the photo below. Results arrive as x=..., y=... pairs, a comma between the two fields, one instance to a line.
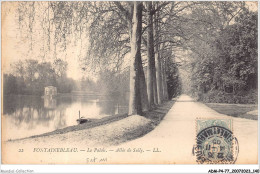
x=129, y=82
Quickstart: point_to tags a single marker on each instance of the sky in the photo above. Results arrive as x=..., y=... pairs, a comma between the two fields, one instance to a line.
x=17, y=46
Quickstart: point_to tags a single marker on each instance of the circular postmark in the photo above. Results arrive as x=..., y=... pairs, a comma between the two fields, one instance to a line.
x=216, y=145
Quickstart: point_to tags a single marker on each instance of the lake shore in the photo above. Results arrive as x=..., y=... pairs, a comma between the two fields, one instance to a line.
x=111, y=130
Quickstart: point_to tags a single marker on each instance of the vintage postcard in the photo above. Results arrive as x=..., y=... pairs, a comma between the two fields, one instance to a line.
x=120, y=82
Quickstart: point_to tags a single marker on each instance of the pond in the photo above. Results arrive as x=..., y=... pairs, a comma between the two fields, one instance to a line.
x=25, y=116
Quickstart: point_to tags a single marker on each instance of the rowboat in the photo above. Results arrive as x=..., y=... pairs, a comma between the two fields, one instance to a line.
x=82, y=120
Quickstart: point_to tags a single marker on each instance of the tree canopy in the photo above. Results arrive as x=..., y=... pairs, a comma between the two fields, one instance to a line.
x=217, y=40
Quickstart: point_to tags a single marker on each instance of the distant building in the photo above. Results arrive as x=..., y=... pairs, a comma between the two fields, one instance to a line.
x=50, y=91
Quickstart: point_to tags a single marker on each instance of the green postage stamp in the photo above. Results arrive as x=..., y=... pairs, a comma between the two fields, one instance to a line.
x=215, y=142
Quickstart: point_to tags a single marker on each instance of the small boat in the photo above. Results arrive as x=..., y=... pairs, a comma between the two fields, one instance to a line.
x=82, y=120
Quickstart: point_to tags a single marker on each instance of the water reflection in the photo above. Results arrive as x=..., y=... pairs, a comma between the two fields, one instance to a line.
x=50, y=103
x=30, y=115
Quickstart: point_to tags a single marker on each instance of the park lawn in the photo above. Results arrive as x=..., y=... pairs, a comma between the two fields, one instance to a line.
x=235, y=110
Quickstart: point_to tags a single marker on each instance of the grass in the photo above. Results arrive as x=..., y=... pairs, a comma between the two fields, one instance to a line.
x=158, y=113
x=234, y=110
x=156, y=116
x=88, y=125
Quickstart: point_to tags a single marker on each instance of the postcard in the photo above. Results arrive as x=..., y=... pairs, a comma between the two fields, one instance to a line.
x=118, y=82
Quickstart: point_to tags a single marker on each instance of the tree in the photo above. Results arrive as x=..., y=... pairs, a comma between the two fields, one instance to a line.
x=158, y=66
x=36, y=76
x=135, y=104
x=114, y=31
x=60, y=67
x=10, y=84
x=222, y=55
x=125, y=21
x=151, y=78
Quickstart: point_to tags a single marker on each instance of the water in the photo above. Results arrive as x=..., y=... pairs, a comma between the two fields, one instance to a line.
x=25, y=116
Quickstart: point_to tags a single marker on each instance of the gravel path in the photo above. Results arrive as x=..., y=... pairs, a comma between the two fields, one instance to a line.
x=175, y=136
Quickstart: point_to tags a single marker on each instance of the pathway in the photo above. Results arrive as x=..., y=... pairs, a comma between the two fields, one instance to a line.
x=175, y=136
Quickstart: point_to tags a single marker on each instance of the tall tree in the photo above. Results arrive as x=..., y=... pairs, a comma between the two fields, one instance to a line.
x=113, y=28
x=158, y=67
x=135, y=104
x=151, y=79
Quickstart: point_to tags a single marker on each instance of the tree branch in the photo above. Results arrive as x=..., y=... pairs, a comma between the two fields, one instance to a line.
x=126, y=12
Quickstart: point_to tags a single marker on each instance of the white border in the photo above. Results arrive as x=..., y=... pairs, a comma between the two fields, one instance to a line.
x=170, y=168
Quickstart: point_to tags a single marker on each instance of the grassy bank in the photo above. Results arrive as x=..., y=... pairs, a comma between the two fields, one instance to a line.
x=242, y=97
x=235, y=110
x=110, y=130
x=88, y=125
x=155, y=116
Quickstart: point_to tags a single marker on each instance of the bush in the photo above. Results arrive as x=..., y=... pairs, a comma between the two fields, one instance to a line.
x=243, y=97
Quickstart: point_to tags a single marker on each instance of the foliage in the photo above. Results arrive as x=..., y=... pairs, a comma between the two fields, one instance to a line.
x=243, y=97
x=173, y=79
x=108, y=37
x=224, y=67
x=30, y=77
x=219, y=36
x=10, y=84
x=113, y=83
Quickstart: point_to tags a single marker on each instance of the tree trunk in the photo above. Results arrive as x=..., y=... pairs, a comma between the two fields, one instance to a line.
x=155, y=95
x=164, y=81
x=163, y=78
x=158, y=77
x=135, y=104
x=143, y=86
x=158, y=61
x=151, y=77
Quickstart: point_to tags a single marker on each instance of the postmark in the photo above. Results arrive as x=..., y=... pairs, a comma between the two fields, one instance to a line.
x=215, y=142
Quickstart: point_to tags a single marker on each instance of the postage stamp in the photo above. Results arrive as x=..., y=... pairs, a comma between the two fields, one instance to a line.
x=215, y=142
